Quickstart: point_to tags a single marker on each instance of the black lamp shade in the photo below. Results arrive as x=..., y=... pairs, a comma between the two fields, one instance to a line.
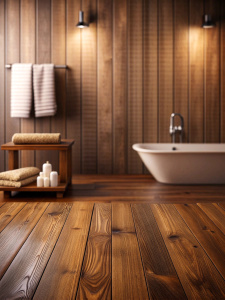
x=207, y=22
x=81, y=23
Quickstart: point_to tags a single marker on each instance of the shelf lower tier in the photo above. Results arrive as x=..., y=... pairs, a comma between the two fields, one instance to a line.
x=32, y=187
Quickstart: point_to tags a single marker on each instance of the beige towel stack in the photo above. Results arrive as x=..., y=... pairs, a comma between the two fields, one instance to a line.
x=19, y=177
x=44, y=90
x=36, y=138
x=21, y=90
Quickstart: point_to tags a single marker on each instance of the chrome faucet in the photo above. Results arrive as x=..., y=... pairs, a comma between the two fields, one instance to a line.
x=175, y=129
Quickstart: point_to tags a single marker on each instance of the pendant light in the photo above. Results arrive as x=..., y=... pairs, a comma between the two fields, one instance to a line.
x=81, y=23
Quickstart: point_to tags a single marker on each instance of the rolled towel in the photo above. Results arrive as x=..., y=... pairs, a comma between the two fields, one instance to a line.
x=18, y=184
x=21, y=90
x=44, y=90
x=19, y=174
x=36, y=138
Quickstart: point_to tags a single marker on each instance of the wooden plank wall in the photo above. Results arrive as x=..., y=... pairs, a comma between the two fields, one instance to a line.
x=138, y=62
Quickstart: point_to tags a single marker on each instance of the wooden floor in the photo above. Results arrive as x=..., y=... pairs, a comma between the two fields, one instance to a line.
x=127, y=188
x=87, y=250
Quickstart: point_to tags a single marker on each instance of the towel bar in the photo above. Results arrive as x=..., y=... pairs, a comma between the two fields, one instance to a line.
x=56, y=66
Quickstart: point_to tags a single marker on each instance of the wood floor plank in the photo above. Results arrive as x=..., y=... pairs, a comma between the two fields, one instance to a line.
x=63, y=269
x=8, y=212
x=222, y=205
x=199, y=277
x=122, y=218
x=215, y=213
x=161, y=276
x=95, y=280
x=128, y=280
x=15, y=234
x=24, y=273
x=3, y=203
x=206, y=232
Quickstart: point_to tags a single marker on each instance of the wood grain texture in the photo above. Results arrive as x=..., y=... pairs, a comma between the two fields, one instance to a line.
x=12, y=125
x=27, y=48
x=181, y=61
x=135, y=91
x=212, y=74
x=196, y=83
x=150, y=64
x=58, y=50
x=161, y=276
x=20, y=227
x=206, y=232
x=8, y=212
x=122, y=218
x=166, y=69
x=128, y=280
x=104, y=84
x=198, y=275
x=89, y=89
x=2, y=82
x=123, y=81
x=222, y=205
x=95, y=279
x=61, y=277
x=215, y=213
x=26, y=269
x=73, y=83
x=222, y=76
x=43, y=55
x=119, y=86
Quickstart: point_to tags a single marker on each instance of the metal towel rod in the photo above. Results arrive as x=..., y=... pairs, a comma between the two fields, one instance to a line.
x=56, y=66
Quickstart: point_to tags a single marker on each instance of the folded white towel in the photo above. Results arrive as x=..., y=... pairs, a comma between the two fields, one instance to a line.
x=21, y=90
x=44, y=90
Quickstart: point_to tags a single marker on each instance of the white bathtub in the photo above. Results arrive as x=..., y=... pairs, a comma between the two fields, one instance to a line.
x=184, y=163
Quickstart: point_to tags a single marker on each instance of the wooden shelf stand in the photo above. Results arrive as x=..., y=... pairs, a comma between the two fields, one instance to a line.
x=65, y=166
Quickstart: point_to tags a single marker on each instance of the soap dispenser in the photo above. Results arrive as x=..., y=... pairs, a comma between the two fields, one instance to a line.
x=47, y=169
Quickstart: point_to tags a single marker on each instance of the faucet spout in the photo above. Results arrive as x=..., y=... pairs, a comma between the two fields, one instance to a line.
x=176, y=129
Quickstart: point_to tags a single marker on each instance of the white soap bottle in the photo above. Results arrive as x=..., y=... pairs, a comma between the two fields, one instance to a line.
x=53, y=179
x=47, y=168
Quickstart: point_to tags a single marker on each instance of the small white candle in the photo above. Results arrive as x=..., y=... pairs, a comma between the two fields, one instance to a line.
x=54, y=179
x=40, y=181
x=46, y=182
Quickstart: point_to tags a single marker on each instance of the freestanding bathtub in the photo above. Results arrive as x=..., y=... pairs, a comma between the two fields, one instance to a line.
x=184, y=163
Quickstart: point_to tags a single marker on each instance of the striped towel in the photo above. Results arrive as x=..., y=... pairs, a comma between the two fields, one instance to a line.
x=44, y=90
x=21, y=90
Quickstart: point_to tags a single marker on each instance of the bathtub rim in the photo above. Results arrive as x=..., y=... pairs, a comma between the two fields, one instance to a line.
x=139, y=148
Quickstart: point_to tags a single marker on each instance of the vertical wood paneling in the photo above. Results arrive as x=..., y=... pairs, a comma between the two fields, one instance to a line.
x=135, y=91
x=27, y=55
x=138, y=62
x=43, y=54
x=104, y=84
x=212, y=72
x=222, y=74
x=150, y=81
x=12, y=56
x=73, y=99
x=89, y=90
x=2, y=82
x=120, y=86
x=196, y=95
x=165, y=67
x=58, y=47
x=181, y=12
